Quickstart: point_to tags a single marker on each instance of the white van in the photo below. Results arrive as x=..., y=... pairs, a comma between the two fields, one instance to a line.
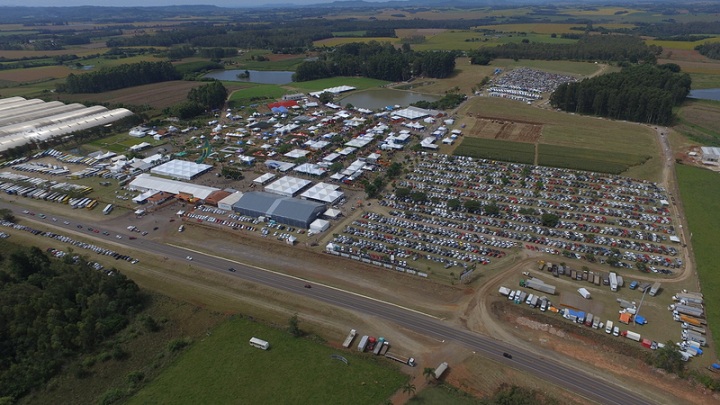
x=609, y=327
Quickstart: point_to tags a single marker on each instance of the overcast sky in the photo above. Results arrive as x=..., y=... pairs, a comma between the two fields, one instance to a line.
x=125, y=3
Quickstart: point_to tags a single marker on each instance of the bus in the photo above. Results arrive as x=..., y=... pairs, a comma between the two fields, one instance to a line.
x=259, y=343
x=108, y=209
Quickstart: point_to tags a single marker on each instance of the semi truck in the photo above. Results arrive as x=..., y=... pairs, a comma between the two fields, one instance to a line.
x=538, y=285
x=631, y=335
x=613, y=281
x=410, y=361
x=654, y=289
x=350, y=337
x=381, y=349
x=688, y=310
x=694, y=328
x=689, y=319
x=379, y=345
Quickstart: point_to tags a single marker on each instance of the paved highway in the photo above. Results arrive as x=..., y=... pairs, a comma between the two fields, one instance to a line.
x=590, y=387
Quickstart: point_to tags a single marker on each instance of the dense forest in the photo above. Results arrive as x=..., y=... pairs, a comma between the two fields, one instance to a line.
x=119, y=77
x=618, y=48
x=710, y=50
x=378, y=61
x=53, y=309
x=644, y=93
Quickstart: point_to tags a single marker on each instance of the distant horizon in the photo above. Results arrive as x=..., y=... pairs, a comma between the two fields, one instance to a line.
x=263, y=3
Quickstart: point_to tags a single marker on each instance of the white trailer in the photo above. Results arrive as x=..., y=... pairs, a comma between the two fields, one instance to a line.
x=363, y=343
x=584, y=292
x=654, y=289
x=613, y=281
x=440, y=370
x=349, y=338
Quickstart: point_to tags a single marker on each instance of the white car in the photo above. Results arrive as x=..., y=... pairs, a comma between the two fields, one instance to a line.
x=188, y=257
x=118, y=236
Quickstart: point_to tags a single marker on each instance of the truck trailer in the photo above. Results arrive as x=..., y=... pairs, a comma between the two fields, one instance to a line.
x=440, y=370
x=410, y=361
x=363, y=343
x=631, y=335
x=654, y=289
x=349, y=338
x=379, y=346
x=613, y=281
x=538, y=285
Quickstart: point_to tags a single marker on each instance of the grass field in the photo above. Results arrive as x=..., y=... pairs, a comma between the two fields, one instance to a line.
x=255, y=93
x=587, y=159
x=519, y=152
x=700, y=192
x=608, y=137
x=697, y=120
x=36, y=73
x=705, y=81
x=225, y=369
x=361, y=83
x=553, y=66
x=685, y=45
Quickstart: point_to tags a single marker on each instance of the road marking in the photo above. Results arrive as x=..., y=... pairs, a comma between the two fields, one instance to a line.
x=302, y=279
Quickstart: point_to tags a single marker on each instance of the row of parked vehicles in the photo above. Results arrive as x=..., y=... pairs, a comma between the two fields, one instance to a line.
x=73, y=242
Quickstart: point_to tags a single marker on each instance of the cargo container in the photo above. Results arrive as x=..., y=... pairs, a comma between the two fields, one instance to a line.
x=690, y=319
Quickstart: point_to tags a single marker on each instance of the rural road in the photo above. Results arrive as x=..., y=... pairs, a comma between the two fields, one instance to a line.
x=575, y=380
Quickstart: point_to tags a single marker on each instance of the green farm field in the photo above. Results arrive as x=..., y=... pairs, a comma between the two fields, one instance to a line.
x=700, y=192
x=253, y=93
x=615, y=139
x=571, y=130
x=225, y=369
x=587, y=159
x=519, y=152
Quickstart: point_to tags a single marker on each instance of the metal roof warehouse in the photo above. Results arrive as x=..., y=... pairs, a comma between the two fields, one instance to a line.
x=285, y=210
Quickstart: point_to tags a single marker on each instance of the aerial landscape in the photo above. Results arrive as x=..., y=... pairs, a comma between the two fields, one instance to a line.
x=427, y=202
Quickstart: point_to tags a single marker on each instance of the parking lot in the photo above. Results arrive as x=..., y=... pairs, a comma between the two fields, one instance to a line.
x=606, y=219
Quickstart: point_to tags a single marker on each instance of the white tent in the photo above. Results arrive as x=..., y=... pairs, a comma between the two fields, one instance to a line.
x=288, y=186
x=319, y=225
x=180, y=169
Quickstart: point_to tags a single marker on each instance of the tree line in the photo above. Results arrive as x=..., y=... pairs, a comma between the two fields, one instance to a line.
x=644, y=93
x=378, y=61
x=619, y=48
x=119, y=77
x=51, y=311
x=201, y=99
x=710, y=50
